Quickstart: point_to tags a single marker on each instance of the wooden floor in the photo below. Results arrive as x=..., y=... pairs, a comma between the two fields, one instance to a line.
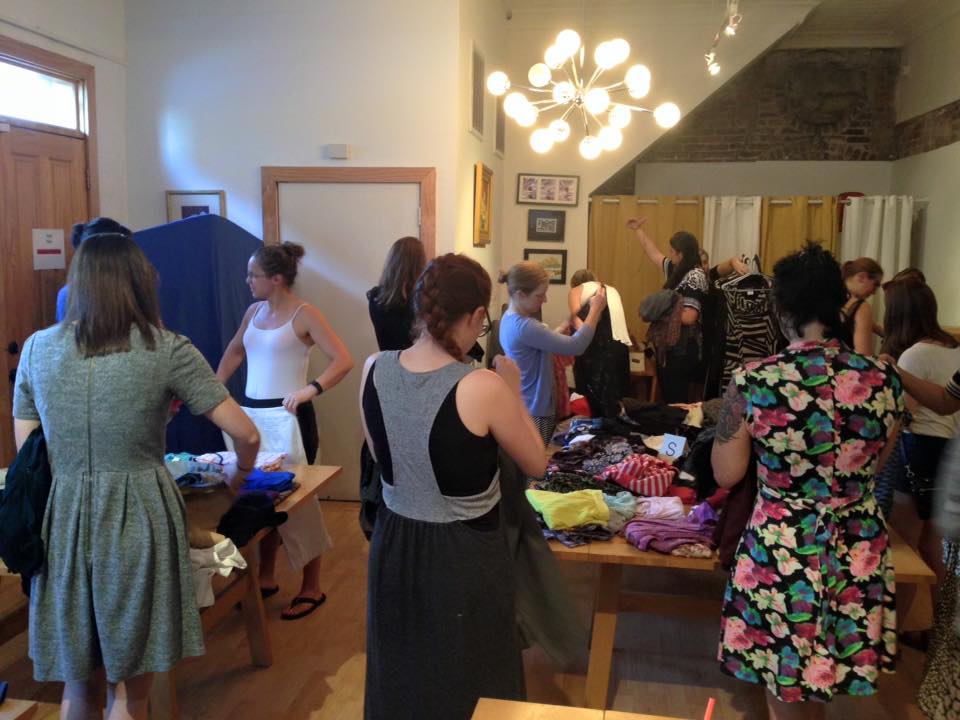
x=662, y=665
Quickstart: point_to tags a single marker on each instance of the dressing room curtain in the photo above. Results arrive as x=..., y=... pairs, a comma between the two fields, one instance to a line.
x=618, y=259
x=878, y=227
x=731, y=227
x=787, y=222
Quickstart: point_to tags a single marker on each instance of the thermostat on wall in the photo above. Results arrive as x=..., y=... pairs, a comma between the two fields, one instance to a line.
x=339, y=152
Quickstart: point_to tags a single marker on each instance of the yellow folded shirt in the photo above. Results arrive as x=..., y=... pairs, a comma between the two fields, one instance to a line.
x=565, y=511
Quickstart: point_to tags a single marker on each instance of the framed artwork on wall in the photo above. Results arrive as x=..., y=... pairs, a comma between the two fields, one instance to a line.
x=477, y=93
x=482, y=204
x=186, y=203
x=546, y=225
x=548, y=189
x=553, y=261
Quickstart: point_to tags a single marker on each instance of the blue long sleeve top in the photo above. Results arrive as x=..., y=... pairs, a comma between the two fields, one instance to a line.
x=530, y=343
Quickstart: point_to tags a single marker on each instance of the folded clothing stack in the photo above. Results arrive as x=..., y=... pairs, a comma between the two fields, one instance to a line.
x=266, y=461
x=668, y=536
x=260, y=481
x=641, y=475
x=189, y=471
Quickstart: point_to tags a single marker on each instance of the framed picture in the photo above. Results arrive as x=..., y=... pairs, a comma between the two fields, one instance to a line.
x=477, y=93
x=186, y=203
x=546, y=225
x=548, y=189
x=553, y=261
x=482, y=204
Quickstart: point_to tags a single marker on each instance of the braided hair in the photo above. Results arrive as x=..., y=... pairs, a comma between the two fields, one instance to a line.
x=450, y=287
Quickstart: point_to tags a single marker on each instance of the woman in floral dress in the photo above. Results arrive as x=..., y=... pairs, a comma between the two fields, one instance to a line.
x=809, y=608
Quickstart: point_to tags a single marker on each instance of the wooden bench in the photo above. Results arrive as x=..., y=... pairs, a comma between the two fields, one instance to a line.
x=243, y=587
x=488, y=709
x=608, y=601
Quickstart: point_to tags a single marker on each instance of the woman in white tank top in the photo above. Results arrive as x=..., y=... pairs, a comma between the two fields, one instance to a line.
x=275, y=337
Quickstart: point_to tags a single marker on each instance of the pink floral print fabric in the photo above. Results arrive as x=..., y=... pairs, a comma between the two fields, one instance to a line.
x=809, y=607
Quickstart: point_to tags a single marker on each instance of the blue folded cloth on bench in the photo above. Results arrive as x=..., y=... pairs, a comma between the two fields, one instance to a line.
x=259, y=481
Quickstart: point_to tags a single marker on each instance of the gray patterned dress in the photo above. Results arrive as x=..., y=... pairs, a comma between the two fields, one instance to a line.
x=116, y=590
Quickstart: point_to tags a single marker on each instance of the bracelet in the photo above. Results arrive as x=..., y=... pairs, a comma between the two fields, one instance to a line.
x=317, y=386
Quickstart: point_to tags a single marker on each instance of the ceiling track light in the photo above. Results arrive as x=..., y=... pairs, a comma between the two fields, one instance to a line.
x=731, y=22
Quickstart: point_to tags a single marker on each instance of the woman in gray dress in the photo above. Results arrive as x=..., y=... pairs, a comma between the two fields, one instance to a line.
x=114, y=601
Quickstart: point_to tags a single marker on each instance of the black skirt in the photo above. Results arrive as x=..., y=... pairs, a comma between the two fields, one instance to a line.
x=441, y=620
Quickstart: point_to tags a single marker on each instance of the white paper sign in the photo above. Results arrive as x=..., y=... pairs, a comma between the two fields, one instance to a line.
x=48, y=252
x=672, y=446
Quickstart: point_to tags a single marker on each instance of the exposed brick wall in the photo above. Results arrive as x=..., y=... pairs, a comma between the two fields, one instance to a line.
x=793, y=105
x=929, y=131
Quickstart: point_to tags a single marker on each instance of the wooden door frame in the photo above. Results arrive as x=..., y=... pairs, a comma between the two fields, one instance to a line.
x=51, y=63
x=426, y=178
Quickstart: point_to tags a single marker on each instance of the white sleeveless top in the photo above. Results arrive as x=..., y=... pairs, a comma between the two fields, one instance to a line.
x=276, y=359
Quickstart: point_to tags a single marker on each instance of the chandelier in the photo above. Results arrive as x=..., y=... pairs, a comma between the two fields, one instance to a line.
x=575, y=98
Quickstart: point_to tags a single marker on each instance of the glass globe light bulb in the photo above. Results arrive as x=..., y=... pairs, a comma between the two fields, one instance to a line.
x=713, y=68
x=527, y=116
x=604, y=56
x=554, y=57
x=619, y=116
x=620, y=50
x=638, y=81
x=498, y=83
x=514, y=103
x=667, y=115
x=539, y=75
x=568, y=41
x=541, y=140
x=610, y=138
x=563, y=92
x=590, y=148
x=560, y=129
x=597, y=100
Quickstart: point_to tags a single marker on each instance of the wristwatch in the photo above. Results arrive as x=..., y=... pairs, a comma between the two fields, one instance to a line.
x=318, y=386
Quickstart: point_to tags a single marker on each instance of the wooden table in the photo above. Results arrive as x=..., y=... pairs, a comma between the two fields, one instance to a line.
x=243, y=587
x=488, y=709
x=11, y=709
x=608, y=601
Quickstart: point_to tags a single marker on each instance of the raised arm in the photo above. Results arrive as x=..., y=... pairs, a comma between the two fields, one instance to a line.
x=234, y=354
x=731, y=266
x=537, y=335
x=649, y=247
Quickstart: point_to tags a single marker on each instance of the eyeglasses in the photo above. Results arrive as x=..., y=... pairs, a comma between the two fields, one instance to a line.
x=487, y=325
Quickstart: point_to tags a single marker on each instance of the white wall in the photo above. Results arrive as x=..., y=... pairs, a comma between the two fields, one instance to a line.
x=482, y=25
x=670, y=38
x=219, y=88
x=92, y=32
x=935, y=176
x=930, y=79
x=764, y=178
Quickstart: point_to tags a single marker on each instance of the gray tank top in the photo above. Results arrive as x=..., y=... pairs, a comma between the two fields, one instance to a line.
x=409, y=402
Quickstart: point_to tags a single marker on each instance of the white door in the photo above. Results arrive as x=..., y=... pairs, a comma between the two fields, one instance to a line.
x=346, y=229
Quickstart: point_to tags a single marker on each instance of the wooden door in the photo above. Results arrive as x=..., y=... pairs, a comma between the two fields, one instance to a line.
x=614, y=253
x=42, y=185
x=787, y=223
x=346, y=229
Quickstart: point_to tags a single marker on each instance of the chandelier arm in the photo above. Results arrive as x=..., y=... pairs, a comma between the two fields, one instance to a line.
x=636, y=108
x=573, y=66
x=570, y=107
x=596, y=74
x=586, y=125
x=531, y=89
x=616, y=87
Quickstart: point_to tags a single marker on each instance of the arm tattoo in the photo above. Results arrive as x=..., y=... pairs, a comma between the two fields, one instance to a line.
x=731, y=414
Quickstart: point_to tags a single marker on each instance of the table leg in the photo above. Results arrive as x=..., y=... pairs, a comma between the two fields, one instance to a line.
x=164, y=703
x=254, y=616
x=605, y=606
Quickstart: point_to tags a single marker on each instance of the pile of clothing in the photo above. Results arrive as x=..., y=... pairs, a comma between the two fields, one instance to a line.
x=610, y=477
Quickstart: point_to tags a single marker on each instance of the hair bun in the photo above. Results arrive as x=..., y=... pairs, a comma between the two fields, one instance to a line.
x=294, y=250
x=503, y=276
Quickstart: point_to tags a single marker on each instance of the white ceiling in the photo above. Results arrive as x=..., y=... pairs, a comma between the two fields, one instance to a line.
x=833, y=23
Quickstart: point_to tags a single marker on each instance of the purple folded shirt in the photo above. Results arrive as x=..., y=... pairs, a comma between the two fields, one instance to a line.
x=667, y=535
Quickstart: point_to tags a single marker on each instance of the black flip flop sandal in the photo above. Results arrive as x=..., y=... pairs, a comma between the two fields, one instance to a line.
x=302, y=600
x=269, y=592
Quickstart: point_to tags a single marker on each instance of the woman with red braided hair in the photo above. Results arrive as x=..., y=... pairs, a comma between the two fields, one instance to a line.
x=441, y=623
